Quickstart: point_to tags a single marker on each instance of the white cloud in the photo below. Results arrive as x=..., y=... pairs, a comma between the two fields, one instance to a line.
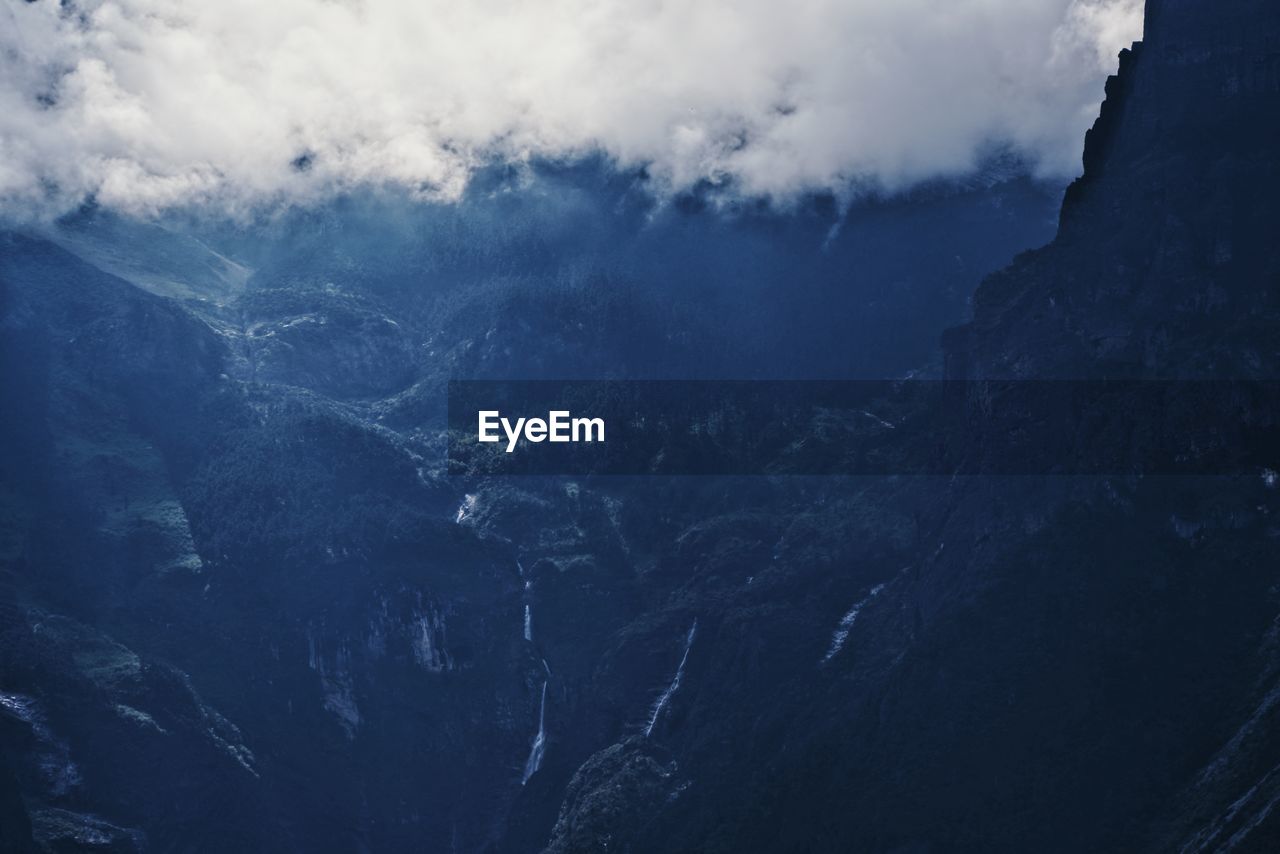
x=149, y=104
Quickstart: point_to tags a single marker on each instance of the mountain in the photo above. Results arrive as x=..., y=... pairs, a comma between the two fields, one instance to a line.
x=1052, y=664
x=1164, y=262
x=244, y=609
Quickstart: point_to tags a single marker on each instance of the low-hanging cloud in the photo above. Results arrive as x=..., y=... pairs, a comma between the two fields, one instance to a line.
x=243, y=104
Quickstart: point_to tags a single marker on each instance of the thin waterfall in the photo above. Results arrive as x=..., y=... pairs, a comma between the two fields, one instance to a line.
x=841, y=634
x=675, y=682
x=465, y=509
x=528, y=609
x=534, y=762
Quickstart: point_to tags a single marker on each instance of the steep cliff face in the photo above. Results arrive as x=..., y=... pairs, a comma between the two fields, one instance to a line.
x=1164, y=263
x=1055, y=664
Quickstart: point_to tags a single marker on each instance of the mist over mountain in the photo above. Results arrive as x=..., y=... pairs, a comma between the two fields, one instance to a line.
x=741, y=290
x=244, y=608
x=246, y=107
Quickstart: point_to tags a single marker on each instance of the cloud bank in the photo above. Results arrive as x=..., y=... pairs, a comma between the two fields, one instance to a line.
x=146, y=105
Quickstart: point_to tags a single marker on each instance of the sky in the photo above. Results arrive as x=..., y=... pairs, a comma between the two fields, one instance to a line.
x=245, y=105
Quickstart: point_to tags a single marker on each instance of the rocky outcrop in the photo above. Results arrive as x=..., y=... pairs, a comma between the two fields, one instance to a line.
x=1164, y=262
